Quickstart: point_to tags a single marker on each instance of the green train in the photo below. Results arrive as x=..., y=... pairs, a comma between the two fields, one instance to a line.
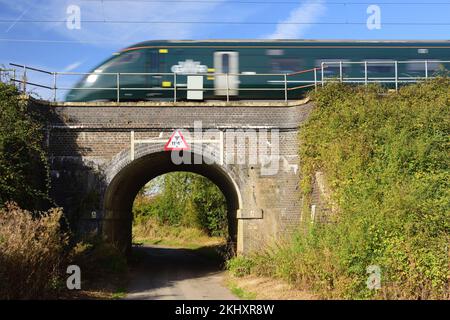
x=256, y=68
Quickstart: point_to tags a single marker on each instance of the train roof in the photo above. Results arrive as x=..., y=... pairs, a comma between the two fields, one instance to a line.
x=281, y=42
x=287, y=40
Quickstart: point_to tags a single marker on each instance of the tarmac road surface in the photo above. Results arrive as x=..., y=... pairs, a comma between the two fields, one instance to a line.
x=164, y=273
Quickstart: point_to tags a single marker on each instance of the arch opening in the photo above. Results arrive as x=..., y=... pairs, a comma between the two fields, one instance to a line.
x=123, y=188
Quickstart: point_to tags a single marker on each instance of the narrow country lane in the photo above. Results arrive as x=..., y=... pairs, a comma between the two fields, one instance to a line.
x=164, y=273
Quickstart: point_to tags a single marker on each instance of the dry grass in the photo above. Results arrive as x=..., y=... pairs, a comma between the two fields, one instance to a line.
x=31, y=253
x=265, y=288
x=34, y=255
x=152, y=232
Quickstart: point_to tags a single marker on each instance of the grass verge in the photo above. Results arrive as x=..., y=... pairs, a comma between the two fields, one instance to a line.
x=152, y=232
x=385, y=160
x=241, y=293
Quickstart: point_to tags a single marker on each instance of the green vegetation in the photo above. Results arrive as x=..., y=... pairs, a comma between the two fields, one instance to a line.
x=35, y=248
x=182, y=209
x=98, y=258
x=241, y=293
x=186, y=210
x=104, y=269
x=24, y=173
x=385, y=157
x=241, y=266
x=120, y=294
x=152, y=231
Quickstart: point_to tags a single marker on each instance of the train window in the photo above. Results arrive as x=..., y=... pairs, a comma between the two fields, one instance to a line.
x=274, y=52
x=379, y=66
x=280, y=65
x=419, y=66
x=225, y=63
x=154, y=61
x=124, y=58
x=332, y=67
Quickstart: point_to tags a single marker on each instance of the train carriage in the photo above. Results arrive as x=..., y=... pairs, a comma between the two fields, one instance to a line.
x=253, y=69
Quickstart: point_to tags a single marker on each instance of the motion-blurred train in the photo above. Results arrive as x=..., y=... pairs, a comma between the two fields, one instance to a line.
x=245, y=61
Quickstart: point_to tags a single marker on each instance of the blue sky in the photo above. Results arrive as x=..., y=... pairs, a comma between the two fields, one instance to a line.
x=53, y=46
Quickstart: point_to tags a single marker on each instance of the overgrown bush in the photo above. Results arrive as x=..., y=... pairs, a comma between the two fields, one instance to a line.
x=386, y=160
x=34, y=251
x=32, y=254
x=24, y=173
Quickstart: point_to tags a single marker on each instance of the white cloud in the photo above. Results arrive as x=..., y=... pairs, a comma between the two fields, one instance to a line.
x=309, y=12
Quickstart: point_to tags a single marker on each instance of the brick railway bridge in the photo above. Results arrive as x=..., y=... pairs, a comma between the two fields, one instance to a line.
x=102, y=153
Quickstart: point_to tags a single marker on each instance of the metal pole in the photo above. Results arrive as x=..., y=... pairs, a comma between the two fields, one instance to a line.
x=340, y=71
x=285, y=88
x=24, y=79
x=54, y=86
x=118, y=87
x=366, y=77
x=174, y=87
x=228, y=89
x=426, y=69
x=396, y=76
x=315, y=79
x=322, y=74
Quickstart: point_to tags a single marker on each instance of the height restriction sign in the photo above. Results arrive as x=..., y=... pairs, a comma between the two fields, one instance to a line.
x=176, y=142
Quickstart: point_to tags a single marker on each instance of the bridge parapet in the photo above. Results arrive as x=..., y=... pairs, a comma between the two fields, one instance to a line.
x=96, y=167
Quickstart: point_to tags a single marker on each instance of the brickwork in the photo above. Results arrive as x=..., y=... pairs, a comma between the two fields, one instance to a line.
x=95, y=174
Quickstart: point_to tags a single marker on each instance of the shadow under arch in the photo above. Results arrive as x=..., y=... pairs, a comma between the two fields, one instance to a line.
x=124, y=186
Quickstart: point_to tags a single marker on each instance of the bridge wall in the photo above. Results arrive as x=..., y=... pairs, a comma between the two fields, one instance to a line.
x=89, y=144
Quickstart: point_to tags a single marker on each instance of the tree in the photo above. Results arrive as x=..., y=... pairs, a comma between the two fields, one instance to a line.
x=24, y=173
x=187, y=199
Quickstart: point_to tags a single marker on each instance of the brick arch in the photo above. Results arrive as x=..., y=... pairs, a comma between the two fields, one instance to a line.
x=125, y=177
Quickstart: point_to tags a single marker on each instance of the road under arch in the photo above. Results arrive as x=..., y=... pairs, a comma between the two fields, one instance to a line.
x=125, y=185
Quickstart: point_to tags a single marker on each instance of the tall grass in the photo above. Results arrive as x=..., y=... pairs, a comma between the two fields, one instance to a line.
x=35, y=253
x=32, y=254
x=386, y=160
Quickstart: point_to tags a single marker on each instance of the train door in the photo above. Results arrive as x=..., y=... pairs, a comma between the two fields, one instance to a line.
x=226, y=62
x=154, y=80
x=155, y=64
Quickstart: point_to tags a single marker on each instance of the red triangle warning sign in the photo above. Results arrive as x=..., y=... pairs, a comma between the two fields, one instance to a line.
x=176, y=142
